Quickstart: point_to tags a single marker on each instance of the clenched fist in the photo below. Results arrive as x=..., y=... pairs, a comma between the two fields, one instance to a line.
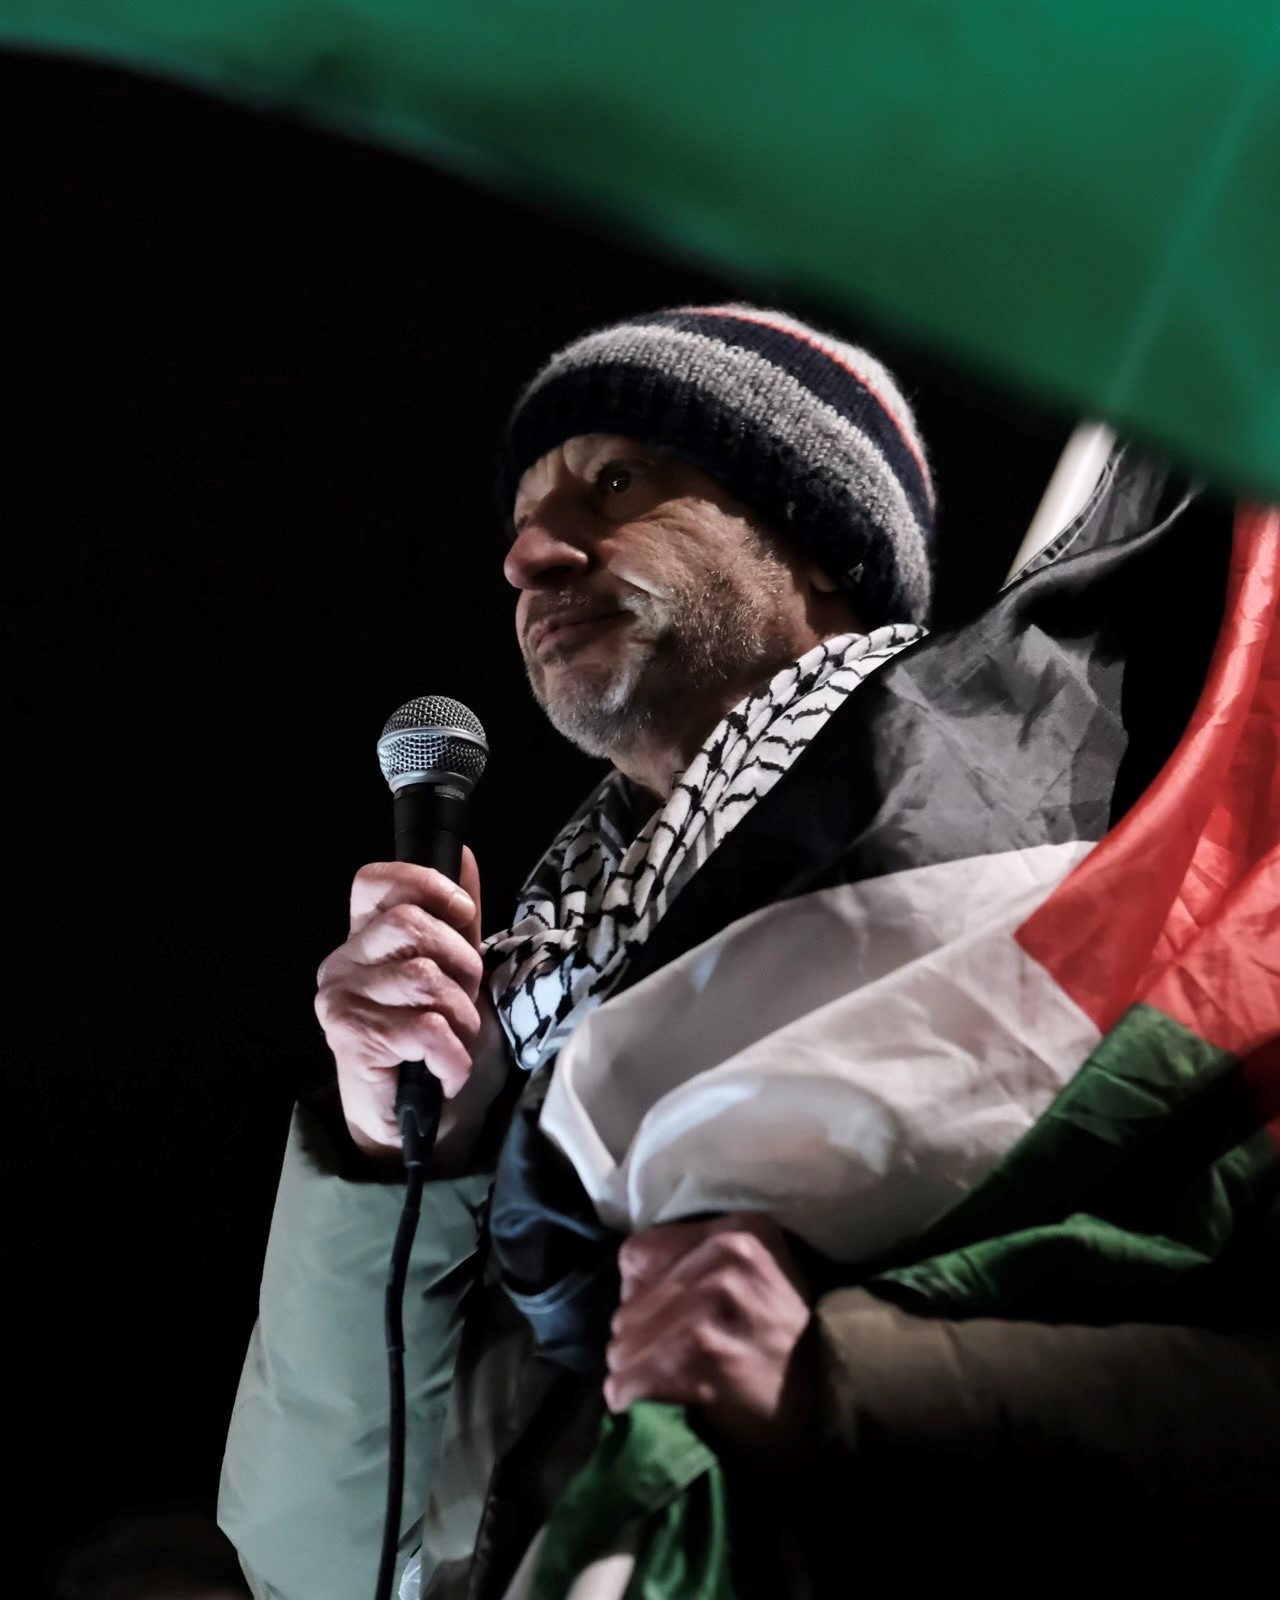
x=406, y=986
x=715, y=1314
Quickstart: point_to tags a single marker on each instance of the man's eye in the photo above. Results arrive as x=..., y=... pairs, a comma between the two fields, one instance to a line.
x=615, y=478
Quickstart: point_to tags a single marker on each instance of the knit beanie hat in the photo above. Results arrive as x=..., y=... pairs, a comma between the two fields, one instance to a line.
x=810, y=432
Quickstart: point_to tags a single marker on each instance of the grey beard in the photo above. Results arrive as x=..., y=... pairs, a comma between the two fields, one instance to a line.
x=605, y=719
x=705, y=638
x=613, y=720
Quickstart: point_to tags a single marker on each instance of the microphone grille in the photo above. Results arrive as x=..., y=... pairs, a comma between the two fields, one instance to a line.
x=433, y=740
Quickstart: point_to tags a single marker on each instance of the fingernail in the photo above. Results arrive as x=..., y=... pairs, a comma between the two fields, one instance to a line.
x=461, y=905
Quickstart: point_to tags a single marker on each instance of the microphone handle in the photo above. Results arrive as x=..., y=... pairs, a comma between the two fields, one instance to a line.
x=430, y=820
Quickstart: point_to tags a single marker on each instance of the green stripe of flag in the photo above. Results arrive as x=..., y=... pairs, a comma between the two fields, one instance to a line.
x=1151, y=1162
x=1078, y=197
x=655, y=1480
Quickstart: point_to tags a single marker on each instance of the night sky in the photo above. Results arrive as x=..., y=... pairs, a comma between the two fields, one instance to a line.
x=256, y=376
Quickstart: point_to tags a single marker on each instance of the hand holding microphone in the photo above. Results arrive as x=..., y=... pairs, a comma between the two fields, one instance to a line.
x=406, y=985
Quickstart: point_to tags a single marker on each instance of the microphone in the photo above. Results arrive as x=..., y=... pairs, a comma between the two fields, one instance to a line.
x=432, y=752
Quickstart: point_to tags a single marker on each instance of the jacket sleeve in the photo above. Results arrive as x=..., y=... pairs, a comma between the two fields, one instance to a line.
x=304, y=1477
x=1161, y=1436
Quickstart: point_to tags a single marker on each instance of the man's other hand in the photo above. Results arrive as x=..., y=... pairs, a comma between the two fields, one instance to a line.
x=713, y=1314
x=406, y=986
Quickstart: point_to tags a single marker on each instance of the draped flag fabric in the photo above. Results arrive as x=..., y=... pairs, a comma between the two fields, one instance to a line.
x=1139, y=1191
x=1079, y=198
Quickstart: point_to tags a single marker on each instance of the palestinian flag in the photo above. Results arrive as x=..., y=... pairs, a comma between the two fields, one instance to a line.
x=1017, y=907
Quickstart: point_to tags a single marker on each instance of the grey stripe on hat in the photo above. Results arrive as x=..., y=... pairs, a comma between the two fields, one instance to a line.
x=864, y=366
x=843, y=458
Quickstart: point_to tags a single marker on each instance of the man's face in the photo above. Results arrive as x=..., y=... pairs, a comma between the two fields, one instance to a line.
x=650, y=599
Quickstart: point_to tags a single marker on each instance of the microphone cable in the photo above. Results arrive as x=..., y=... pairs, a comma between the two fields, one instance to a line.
x=393, y=1317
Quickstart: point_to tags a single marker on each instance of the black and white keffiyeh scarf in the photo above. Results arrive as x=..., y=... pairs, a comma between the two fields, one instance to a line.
x=600, y=890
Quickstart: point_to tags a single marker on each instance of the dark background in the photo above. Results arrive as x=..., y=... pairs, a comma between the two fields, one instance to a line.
x=255, y=378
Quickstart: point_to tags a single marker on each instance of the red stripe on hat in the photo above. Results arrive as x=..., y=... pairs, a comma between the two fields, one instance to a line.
x=823, y=350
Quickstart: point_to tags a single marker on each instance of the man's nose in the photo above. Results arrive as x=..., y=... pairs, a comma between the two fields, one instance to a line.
x=543, y=556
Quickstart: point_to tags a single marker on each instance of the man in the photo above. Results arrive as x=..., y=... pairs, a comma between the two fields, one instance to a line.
x=720, y=524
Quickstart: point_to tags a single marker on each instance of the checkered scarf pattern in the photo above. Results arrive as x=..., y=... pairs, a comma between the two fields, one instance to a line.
x=605, y=883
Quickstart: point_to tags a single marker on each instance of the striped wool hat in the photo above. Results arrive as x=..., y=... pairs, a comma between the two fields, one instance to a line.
x=812, y=433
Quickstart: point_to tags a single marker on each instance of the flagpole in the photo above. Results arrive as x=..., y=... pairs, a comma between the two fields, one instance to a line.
x=1074, y=479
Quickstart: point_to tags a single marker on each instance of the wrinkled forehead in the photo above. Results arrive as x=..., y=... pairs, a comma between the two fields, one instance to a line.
x=579, y=457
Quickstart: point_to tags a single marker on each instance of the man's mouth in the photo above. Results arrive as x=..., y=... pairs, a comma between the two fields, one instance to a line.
x=568, y=627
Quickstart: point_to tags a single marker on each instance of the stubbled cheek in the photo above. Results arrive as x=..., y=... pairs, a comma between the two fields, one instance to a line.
x=659, y=571
x=648, y=582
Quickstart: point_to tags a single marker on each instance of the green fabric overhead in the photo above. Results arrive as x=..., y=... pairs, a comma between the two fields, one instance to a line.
x=1080, y=198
